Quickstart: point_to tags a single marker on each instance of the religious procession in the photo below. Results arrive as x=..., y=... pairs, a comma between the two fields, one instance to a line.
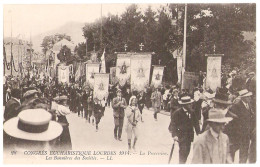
x=166, y=85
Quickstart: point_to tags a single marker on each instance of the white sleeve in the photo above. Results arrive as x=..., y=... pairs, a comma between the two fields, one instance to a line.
x=62, y=110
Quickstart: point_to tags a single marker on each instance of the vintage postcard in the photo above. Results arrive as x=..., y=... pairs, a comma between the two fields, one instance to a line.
x=161, y=83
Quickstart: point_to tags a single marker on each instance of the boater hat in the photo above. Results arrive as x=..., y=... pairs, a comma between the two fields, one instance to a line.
x=29, y=92
x=218, y=115
x=60, y=98
x=244, y=93
x=34, y=125
x=118, y=90
x=186, y=100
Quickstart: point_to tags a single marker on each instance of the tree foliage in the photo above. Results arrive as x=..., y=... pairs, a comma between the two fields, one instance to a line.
x=65, y=54
x=50, y=40
x=161, y=32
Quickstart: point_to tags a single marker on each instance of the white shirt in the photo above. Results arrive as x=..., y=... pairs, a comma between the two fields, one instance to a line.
x=214, y=134
x=246, y=105
x=60, y=109
x=166, y=94
x=17, y=100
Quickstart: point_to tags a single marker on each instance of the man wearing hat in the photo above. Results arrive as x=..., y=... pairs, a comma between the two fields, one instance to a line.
x=118, y=104
x=219, y=100
x=249, y=80
x=212, y=146
x=12, y=105
x=240, y=129
x=32, y=130
x=61, y=108
x=174, y=105
x=182, y=124
x=28, y=96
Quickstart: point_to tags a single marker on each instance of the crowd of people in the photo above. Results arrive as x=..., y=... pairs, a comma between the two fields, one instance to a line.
x=232, y=106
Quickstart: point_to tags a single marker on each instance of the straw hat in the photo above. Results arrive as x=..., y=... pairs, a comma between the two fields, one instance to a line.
x=245, y=93
x=30, y=92
x=251, y=73
x=186, y=100
x=118, y=90
x=60, y=98
x=218, y=115
x=34, y=125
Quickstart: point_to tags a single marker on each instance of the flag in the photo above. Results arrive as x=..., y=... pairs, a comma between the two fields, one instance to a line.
x=103, y=63
x=123, y=73
x=157, y=75
x=140, y=71
x=91, y=69
x=213, y=72
x=77, y=75
x=177, y=53
x=63, y=74
x=101, y=83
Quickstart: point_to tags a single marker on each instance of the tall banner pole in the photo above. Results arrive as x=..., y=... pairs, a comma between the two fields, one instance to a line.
x=184, y=45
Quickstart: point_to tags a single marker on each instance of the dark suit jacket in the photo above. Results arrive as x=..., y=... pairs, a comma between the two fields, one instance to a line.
x=119, y=110
x=242, y=125
x=182, y=125
x=141, y=101
x=11, y=109
x=174, y=105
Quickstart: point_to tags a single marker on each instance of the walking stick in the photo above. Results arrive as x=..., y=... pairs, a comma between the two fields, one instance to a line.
x=171, y=152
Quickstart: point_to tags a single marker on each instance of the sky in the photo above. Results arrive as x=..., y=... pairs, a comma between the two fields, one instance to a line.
x=36, y=19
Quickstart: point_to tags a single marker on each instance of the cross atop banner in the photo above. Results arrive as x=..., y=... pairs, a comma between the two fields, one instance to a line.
x=125, y=46
x=141, y=46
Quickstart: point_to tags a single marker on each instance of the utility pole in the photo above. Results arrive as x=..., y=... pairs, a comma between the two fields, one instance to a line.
x=184, y=47
x=184, y=38
x=101, y=30
x=11, y=45
x=86, y=46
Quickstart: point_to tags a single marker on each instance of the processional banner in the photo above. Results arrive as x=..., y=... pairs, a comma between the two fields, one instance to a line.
x=213, y=72
x=140, y=71
x=91, y=69
x=157, y=75
x=63, y=74
x=101, y=86
x=112, y=75
x=190, y=80
x=123, y=72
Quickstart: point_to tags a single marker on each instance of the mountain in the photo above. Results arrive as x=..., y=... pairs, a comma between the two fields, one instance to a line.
x=73, y=29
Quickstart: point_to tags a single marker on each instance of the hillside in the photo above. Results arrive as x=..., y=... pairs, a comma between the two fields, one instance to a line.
x=73, y=29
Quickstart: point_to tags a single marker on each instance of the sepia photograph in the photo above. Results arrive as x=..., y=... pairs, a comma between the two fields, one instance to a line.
x=129, y=83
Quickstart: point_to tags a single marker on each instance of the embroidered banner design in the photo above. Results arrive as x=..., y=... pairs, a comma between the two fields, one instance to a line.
x=63, y=74
x=140, y=71
x=123, y=68
x=157, y=76
x=91, y=69
x=101, y=86
x=213, y=72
